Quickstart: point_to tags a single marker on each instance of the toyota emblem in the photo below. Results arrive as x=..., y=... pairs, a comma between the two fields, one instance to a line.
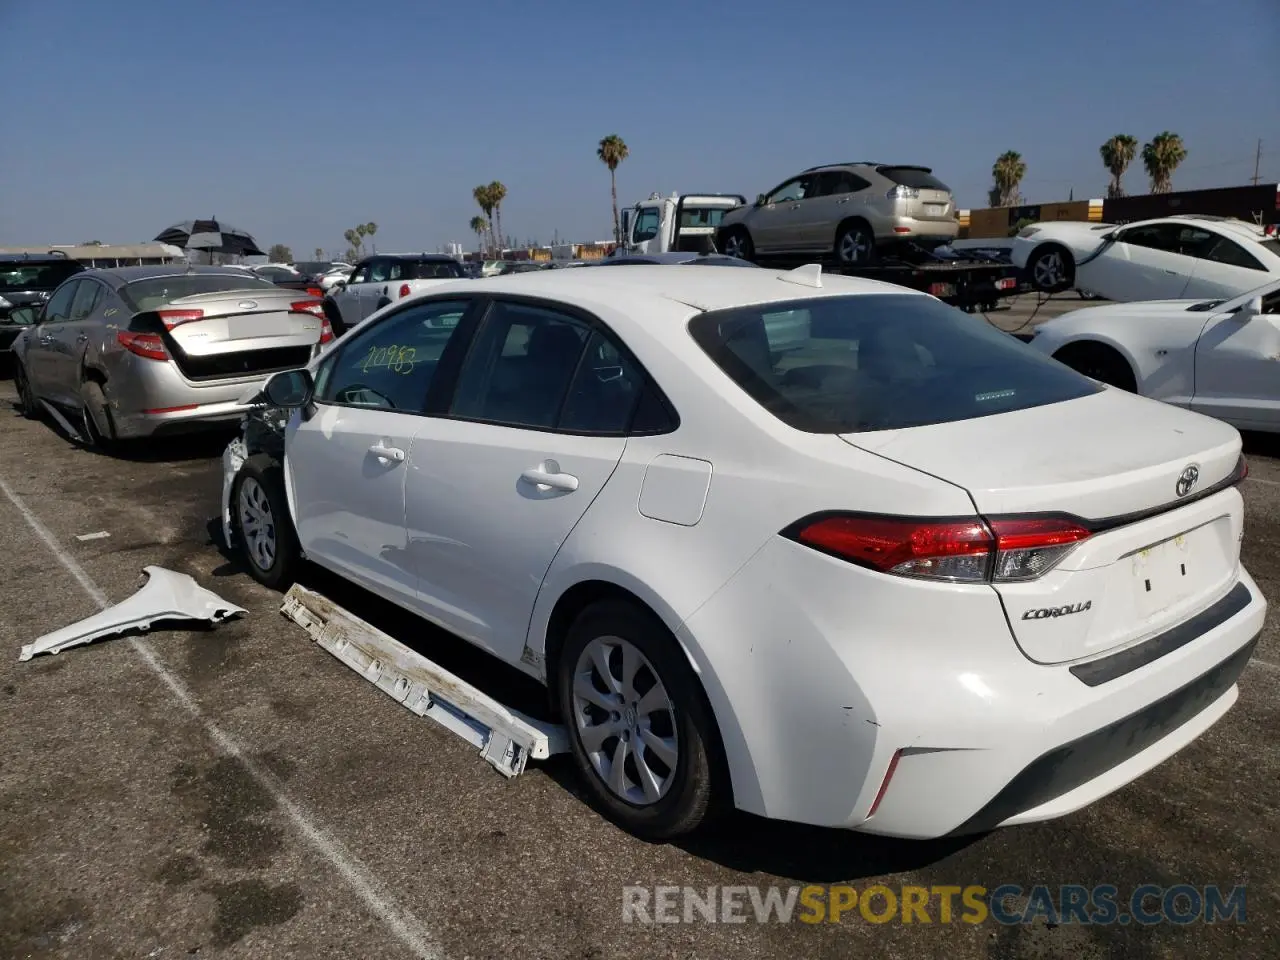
x=247, y=304
x=1187, y=480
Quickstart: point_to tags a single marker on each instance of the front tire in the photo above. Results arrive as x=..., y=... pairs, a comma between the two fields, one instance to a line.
x=640, y=728
x=1099, y=362
x=261, y=523
x=27, y=404
x=736, y=242
x=1052, y=269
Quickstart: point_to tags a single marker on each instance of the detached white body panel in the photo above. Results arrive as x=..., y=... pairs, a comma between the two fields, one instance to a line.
x=166, y=596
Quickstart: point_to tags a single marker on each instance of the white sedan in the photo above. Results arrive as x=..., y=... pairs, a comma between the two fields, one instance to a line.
x=818, y=547
x=1218, y=357
x=1182, y=256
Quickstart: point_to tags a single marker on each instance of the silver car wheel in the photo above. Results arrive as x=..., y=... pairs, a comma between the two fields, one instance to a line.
x=257, y=524
x=1049, y=270
x=625, y=720
x=854, y=247
x=734, y=246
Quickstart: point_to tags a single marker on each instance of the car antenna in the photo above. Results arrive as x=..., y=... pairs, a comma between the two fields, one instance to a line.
x=810, y=275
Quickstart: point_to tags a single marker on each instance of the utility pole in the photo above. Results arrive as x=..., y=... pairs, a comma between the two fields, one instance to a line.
x=1257, y=162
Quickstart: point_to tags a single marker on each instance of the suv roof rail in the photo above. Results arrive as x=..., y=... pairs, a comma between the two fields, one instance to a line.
x=846, y=163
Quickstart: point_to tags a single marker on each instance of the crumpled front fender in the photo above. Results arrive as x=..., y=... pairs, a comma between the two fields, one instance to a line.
x=166, y=596
x=233, y=458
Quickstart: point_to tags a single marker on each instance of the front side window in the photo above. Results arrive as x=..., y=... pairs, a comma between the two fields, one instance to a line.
x=848, y=364
x=1153, y=236
x=391, y=364
x=796, y=189
x=647, y=223
x=59, y=305
x=360, y=274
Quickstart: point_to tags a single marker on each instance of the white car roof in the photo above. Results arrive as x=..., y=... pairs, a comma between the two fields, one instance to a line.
x=703, y=288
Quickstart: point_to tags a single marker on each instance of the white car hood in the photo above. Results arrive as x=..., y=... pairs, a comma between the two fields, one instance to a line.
x=1105, y=455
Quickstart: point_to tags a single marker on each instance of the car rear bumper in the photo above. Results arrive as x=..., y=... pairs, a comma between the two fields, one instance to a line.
x=910, y=228
x=824, y=677
x=181, y=420
x=149, y=398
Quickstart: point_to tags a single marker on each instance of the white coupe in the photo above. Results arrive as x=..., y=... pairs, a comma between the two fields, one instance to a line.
x=1218, y=357
x=1182, y=256
x=818, y=547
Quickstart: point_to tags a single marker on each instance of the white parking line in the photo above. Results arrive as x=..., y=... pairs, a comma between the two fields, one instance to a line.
x=407, y=928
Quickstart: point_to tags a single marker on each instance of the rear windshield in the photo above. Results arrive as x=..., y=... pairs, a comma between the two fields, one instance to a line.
x=435, y=269
x=155, y=292
x=913, y=177
x=36, y=276
x=312, y=267
x=879, y=362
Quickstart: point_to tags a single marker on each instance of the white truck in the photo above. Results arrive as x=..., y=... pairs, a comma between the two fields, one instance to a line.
x=680, y=223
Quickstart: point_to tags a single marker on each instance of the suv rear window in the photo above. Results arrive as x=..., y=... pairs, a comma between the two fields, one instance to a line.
x=155, y=292
x=879, y=362
x=435, y=269
x=913, y=177
x=21, y=275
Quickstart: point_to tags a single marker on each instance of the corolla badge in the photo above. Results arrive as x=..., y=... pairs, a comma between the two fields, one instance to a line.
x=247, y=304
x=1187, y=480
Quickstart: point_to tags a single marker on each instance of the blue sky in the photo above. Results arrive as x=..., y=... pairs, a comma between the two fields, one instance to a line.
x=297, y=120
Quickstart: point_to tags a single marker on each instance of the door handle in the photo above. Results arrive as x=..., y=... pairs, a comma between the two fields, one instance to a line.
x=795, y=206
x=82, y=338
x=387, y=453
x=551, y=481
x=1172, y=273
x=845, y=200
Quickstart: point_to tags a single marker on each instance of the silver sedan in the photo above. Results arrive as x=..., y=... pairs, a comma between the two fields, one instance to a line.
x=142, y=351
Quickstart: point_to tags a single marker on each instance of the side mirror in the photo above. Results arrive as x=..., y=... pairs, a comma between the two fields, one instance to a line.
x=289, y=389
x=1250, y=310
x=760, y=199
x=22, y=316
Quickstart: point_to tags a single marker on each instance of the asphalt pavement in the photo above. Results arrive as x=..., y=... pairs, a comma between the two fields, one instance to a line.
x=236, y=792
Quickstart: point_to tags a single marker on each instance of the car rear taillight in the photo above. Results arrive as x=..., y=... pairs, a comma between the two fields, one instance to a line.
x=326, y=332
x=315, y=291
x=901, y=192
x=404, y=290
x=960, y=550
x=1029, y=547
x=174, y=318
x=313, y=307
x=148, y=345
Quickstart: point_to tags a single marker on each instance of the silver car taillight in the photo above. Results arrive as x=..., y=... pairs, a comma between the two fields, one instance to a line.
x=903, y=193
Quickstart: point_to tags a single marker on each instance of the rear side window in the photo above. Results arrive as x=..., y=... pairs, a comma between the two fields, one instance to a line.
x=432, y=269
x=1222, y=250
x=913, y=177
x=154, y=293
x=879, y=362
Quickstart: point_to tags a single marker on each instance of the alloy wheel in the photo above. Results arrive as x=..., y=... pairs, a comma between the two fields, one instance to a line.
x=257, y=524
x=1049, y=271
x=734, y=246
x=625, y=720
x=855, y=247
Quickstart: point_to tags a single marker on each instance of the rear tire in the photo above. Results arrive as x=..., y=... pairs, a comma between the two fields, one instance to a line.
x=27, y=404
x=616, y=715
x=1099, y=362
x=736, y=242
x=855, y=245
x=261, y=523
x=96, y=424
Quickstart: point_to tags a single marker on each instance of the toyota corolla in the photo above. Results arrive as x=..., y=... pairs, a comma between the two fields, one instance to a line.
x=817, y=547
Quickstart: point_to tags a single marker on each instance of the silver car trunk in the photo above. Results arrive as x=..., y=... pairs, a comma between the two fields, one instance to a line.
x=240, y=320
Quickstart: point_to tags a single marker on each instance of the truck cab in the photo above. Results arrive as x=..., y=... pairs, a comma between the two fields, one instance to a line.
x=678, y=223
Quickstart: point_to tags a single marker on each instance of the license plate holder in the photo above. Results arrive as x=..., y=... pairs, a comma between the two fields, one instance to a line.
x=1163, y=575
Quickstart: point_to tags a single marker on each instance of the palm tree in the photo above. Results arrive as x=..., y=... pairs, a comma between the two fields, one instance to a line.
x=1161, y=157
x=498, y=193
x=370, y=229
x=612, y=151
x=1008, y=171
x=353, y=240
x=479, y=225
x=484, y=198
x=1117, y=154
